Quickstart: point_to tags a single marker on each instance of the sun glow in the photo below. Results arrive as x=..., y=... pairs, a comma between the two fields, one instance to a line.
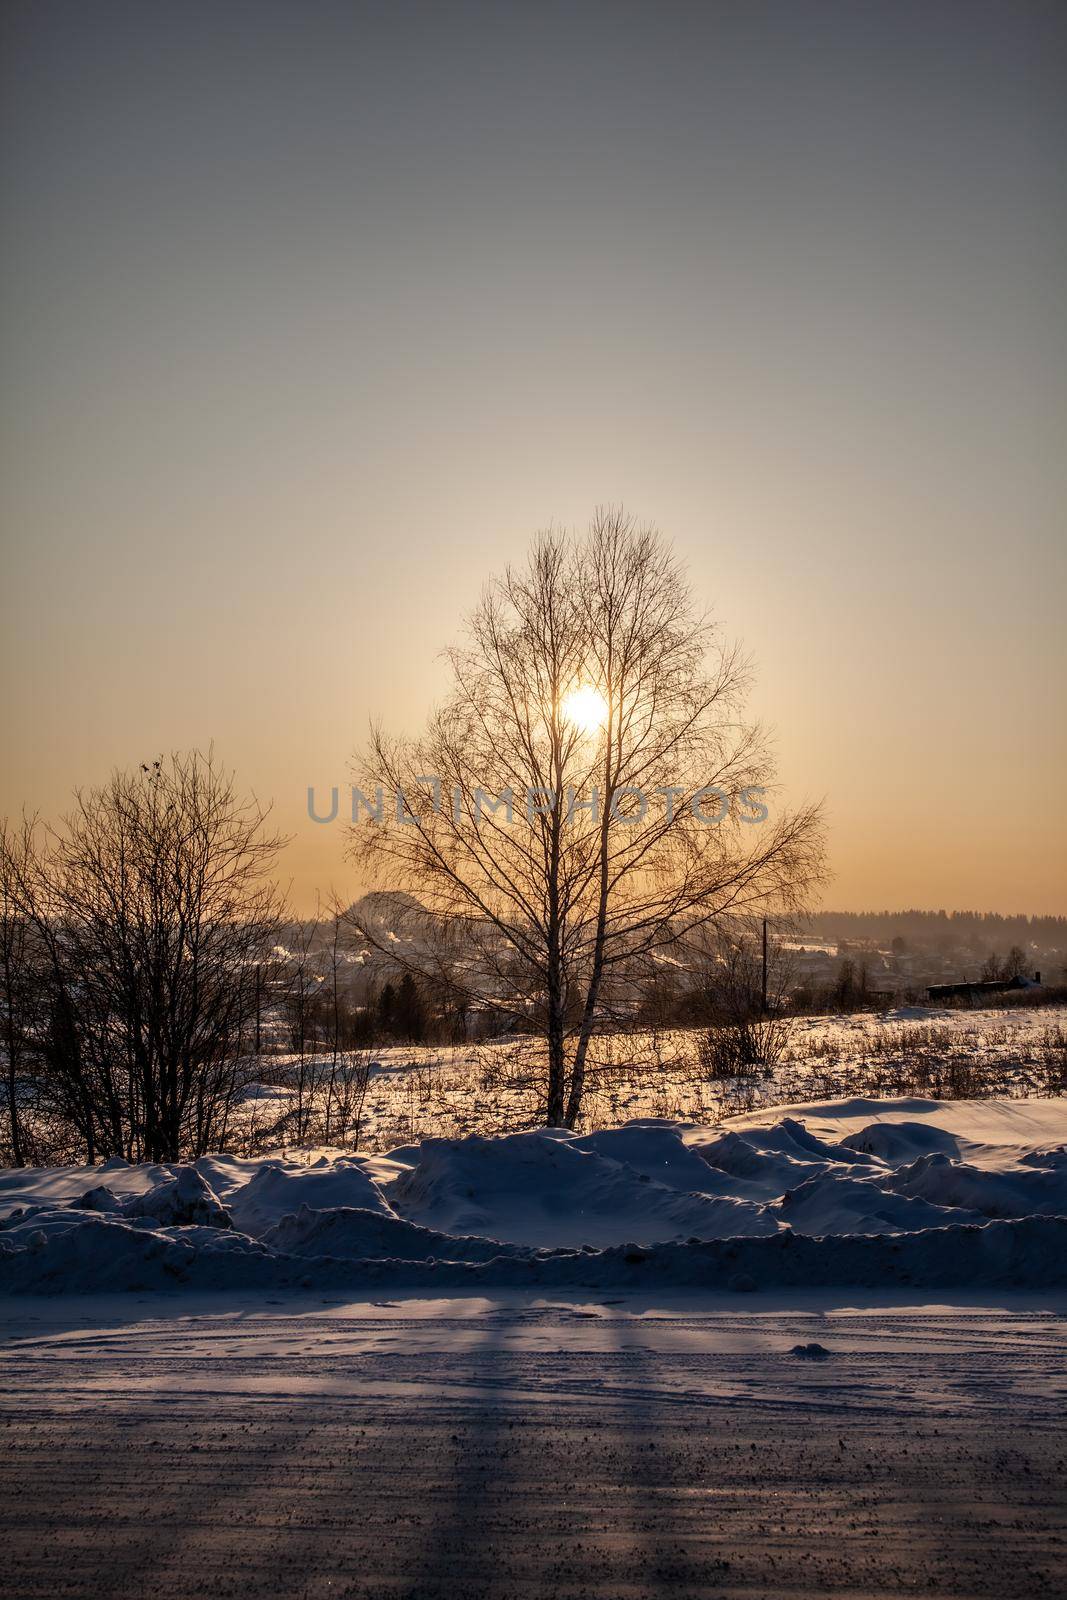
x=586, y=708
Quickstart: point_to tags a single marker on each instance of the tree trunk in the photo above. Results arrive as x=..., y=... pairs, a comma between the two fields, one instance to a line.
x=554, y=1115
x=577, y=1089
x=555, y=1031
x=17, y=1157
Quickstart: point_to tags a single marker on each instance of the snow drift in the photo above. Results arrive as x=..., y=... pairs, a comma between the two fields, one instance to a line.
x=865, y=1193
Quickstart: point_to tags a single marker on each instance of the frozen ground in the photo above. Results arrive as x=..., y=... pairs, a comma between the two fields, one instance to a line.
x=511, y=1445
x=815, y=1350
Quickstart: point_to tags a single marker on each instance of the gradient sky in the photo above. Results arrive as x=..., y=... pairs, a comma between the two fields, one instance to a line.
x=313, y=313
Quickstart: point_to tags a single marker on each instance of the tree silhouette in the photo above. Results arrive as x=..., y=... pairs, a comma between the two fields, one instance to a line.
x=537, y=854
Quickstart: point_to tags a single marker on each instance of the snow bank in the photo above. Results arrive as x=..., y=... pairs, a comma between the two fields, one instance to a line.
x=655, y=1149
x=357, y=1235
x=865, y=1193
x=1028, y=1193
x=102, y=1255
x=901, y=1141
x=277, y=1190
x=835, y=1204
x=544, y=1189
x=184, y=1200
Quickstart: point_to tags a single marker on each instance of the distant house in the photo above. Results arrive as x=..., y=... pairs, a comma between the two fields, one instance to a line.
x=965, y=990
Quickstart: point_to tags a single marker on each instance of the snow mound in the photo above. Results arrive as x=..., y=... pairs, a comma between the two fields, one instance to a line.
x=96, y=1254
x=1033, y=1192
x=765, y=1163
x=22, y=1186
x=186, y=1199
x=897, y=1142
x=357, y=1235
x=278, y=1190
x=656, y=1149
x=226, y=1175
x=832, y=1204
x=100, y=1199
x=1046, y=1158
x=793, y=1138
x=547, y=1190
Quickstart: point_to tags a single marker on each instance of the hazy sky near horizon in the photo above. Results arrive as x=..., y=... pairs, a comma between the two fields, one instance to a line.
x=313, y=314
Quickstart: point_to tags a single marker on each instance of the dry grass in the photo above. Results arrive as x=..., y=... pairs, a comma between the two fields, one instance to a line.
x=690, y=1074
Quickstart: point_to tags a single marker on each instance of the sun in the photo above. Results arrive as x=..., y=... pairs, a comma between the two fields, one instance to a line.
x=586, y=708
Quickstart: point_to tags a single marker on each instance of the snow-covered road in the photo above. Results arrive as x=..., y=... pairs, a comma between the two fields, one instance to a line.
x=516, y=1446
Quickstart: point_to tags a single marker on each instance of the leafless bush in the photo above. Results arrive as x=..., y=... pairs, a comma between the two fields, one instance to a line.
x=745, y=994
x=749, y=1047
x=1053, y=1060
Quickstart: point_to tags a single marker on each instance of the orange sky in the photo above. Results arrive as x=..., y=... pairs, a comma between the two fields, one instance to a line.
x=306, y=328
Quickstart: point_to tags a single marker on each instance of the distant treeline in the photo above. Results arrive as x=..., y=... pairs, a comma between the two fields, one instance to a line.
x=983, y=927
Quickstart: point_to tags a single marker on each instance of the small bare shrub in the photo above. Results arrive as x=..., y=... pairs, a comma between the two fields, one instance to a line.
x=1052, y=1061
x=750, y=1047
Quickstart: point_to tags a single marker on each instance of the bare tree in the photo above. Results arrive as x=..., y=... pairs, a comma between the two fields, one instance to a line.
x=16, y=978
x=151, y=906
x=1015, y=964
x=302, y=1003
x=581, y=799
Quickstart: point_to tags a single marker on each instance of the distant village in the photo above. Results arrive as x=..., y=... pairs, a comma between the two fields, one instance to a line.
x=918, y=956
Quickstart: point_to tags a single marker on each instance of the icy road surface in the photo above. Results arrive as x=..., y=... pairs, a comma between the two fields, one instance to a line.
x=520, y=1447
